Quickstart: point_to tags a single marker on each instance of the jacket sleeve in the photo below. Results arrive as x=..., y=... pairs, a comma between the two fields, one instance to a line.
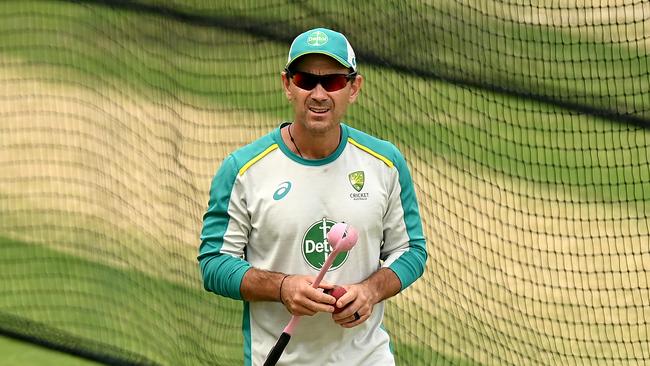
x=224, y=236
x=404, y=248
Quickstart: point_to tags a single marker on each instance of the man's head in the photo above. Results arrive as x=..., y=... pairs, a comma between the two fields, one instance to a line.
x=320, y=78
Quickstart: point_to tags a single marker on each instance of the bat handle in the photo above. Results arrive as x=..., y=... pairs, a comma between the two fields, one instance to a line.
x=281, y=344
x=294, y=319
x=292, y=324
x=325, y=268
x=276, y=351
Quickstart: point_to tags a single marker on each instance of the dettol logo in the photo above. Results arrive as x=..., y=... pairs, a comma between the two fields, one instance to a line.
x=317, y=38
x=315, y=247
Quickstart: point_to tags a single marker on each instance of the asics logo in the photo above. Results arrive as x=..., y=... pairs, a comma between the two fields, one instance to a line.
x=282, y=191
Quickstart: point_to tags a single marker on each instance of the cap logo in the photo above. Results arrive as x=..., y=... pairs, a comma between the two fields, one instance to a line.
x=317, y=38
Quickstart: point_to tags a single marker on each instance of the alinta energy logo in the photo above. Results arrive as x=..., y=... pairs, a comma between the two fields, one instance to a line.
x=317, y=38
x=315, y=247
x=357, y=180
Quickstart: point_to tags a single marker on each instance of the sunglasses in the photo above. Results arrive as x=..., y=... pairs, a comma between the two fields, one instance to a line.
x=329, y=82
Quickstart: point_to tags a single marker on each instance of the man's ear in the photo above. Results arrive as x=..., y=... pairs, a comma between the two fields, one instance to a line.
x=286, y=83
x=355, y=88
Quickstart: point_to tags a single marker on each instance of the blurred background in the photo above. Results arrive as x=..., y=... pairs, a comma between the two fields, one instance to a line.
x=524, y=124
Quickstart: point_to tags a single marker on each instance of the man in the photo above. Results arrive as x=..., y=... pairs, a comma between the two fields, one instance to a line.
x=273, y=201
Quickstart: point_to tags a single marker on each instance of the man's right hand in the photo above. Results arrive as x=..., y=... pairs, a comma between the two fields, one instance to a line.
x=300, y=298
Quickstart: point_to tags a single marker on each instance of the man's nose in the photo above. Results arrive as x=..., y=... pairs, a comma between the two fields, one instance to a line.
x=319, y=93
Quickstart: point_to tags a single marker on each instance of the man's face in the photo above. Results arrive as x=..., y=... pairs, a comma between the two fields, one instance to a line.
x=317, y=109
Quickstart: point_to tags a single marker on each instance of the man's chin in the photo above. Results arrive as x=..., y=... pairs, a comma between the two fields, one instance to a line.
x=320, y=122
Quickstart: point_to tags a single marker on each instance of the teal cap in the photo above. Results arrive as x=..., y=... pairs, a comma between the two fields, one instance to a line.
x=324, y=41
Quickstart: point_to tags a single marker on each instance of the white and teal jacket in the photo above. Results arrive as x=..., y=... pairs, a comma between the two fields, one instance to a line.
x=271, y=209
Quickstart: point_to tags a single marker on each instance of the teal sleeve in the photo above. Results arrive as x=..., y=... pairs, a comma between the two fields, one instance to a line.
x=410, y=265
x=222, y=272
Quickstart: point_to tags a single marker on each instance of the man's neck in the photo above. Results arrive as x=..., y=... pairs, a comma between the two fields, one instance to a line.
x=310, y=145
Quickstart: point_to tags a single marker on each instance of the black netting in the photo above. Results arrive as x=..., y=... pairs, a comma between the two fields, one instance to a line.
x=524, y=125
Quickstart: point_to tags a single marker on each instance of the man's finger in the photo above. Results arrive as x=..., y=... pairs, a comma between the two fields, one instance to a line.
x=324, y=298
x=302, y=310
x=326, y=285
x=319, y=306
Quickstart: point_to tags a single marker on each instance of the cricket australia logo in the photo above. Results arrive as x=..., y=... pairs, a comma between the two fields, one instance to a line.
x=315, y=247
x=357, y=179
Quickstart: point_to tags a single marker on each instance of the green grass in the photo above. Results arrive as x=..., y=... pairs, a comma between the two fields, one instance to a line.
x=121, y=50
x=99, y=305
x=15, y=352
x=502, y=45
x=422, y=355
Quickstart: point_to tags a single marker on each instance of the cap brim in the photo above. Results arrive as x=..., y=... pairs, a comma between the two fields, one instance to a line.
x=338, y=59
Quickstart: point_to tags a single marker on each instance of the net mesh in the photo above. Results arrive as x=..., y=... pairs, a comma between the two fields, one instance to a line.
x=524, y=125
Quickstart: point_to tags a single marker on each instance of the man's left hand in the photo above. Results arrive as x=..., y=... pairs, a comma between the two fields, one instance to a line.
x=358, y=300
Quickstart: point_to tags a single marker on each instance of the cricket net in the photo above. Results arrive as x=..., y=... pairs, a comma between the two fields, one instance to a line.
x=524, y=124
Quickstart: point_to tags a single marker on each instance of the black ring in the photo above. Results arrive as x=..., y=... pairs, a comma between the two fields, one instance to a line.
x=356, y=315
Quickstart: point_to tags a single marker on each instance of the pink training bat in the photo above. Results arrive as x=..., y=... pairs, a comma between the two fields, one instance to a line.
x=341, y=237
